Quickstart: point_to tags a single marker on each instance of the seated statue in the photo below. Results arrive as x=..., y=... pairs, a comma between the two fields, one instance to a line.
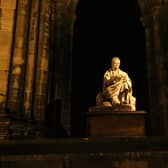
x=117, y=89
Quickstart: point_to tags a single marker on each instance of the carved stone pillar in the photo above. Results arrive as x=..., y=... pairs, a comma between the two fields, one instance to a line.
x=154, y=14
x=63, y=18
x=24, y=60
x=31, y=59
x=16, y=83
x=41, y=76
x=7, y=15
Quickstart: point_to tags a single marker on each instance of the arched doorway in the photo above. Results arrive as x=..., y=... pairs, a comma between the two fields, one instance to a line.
x=103, y=30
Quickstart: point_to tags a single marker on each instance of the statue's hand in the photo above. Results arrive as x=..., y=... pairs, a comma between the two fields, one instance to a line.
x=124, y=79
x=107, y=76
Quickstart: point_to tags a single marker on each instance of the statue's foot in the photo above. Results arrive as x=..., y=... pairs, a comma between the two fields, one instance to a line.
x=115, y=102
x=107, y=104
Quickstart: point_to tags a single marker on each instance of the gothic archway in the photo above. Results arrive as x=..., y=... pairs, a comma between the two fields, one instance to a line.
x=102, y=31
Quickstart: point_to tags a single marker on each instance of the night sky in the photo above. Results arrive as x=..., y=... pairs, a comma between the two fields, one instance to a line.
x=104, y=29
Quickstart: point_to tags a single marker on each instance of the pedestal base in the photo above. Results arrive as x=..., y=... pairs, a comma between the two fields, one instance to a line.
x=101, y=121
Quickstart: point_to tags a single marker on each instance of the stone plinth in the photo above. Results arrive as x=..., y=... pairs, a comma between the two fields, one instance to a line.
x=103, y=121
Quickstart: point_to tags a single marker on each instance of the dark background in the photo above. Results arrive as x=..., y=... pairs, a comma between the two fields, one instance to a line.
x=104, y=29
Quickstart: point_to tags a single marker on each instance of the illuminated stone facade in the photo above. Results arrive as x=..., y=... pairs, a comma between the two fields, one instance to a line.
x=36, y=59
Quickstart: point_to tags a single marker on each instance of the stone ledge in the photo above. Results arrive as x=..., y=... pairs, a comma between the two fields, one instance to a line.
x=84, y=145
x=101, y=110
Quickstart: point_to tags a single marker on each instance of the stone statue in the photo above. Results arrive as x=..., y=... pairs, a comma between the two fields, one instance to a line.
x=117, y=89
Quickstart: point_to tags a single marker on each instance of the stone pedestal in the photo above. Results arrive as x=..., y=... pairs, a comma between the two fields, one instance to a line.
x=102, y=121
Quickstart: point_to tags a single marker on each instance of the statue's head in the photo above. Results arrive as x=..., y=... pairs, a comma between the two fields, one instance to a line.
x=115, y=63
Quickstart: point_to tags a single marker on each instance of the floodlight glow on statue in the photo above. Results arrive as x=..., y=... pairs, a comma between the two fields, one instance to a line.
x=117, y=89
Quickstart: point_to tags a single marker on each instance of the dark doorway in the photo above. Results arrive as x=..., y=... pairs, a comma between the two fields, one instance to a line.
x=103, y=30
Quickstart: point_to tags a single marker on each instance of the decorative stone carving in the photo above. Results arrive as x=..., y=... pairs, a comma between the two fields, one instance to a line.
x=117, y=89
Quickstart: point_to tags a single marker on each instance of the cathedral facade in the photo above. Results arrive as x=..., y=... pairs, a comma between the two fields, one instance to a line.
x=36, y=61
x=36, y=39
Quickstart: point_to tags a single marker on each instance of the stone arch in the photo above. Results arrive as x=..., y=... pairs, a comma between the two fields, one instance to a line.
x=99, y=34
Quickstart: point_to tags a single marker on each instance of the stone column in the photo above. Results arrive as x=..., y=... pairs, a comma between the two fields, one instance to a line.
x=31, y=59
x=61, y=44
x=7, y=14
x=41, y=75
x=153, y=14
x=16, y=83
